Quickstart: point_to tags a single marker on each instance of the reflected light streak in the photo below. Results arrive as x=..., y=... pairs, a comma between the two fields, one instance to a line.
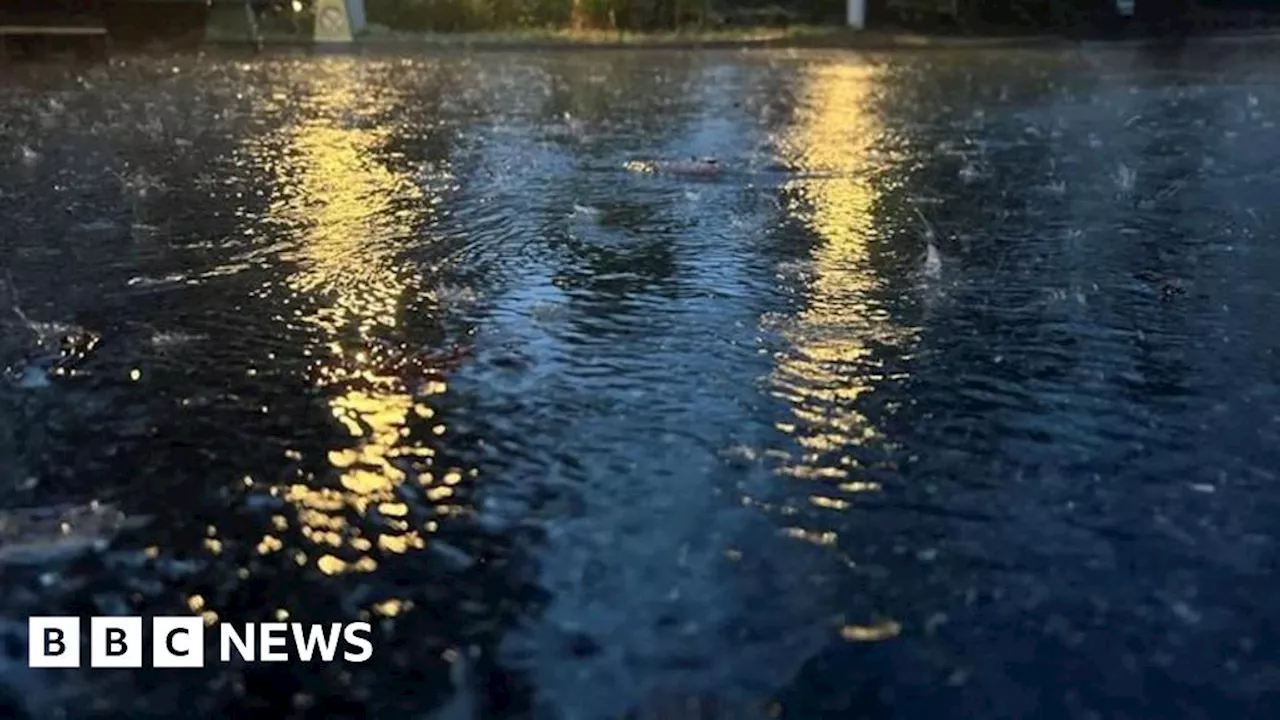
x=342, y=202
x=830, y=365
x=882, y=630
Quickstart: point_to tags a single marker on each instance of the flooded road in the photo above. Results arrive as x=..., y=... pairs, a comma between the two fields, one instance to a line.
x=950, y=389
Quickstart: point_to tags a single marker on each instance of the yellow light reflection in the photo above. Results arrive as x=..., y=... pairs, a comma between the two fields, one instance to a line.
x=832, y=145
x=347, y=207
x=817, y=538
x=392, y=607
x=876, y=632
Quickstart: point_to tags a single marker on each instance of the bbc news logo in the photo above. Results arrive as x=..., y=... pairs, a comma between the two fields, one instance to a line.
x=179, y=642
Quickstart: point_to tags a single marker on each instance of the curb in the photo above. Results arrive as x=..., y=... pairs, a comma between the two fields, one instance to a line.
x=866, y=41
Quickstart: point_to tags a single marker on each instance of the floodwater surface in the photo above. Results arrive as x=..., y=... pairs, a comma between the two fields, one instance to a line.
x=949, y=390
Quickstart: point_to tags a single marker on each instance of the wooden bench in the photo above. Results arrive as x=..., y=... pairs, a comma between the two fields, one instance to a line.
x=95, y=34
x=51, y=30
x=84, y=20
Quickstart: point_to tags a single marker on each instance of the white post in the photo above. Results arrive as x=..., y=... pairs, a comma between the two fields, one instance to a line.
x=355, y=13
x=857, y=14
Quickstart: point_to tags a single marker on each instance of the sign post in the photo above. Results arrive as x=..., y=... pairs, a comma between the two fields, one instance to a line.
x=857, y=14
x=355, y=15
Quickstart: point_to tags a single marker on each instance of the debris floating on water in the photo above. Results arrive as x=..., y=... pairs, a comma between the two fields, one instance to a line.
x=932, y=269
x=932, y=263
x=170, y=339
x=30, y=378
x=586, y=211
x=456, y=297
x=1126, y=178
x=696, y=167
x=147, y=282
x=37, y=535
x=876, y=632
x=39, y=350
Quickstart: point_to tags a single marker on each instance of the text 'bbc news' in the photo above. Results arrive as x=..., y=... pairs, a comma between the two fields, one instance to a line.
x=179, y=642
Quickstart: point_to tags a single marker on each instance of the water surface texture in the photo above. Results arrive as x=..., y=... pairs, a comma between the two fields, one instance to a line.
x=950, y=391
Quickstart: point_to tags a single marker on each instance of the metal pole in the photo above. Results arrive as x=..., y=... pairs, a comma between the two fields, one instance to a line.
x=857, y=14
x=251, y=19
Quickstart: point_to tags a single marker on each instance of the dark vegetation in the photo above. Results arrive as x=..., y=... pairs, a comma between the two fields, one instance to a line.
x=639, y=15
x=147, y=20
x=964, y=16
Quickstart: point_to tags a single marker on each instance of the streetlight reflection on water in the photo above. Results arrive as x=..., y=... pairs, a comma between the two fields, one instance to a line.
x=347, y=215
x=829, y=365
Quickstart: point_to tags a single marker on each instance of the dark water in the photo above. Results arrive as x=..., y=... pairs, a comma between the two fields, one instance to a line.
x=405, y=338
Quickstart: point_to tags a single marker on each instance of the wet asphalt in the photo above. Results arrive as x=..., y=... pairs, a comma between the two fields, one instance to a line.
x=950, y=389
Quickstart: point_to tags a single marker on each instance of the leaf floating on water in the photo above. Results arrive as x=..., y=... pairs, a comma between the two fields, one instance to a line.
x=876, y=632
x=640, y=166
x=697, y=167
